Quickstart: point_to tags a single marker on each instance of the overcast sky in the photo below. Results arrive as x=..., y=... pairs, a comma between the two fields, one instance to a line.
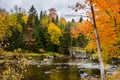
x=60, y=5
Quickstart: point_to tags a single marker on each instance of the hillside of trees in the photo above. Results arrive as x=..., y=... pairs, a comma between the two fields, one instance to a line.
x=32, y=31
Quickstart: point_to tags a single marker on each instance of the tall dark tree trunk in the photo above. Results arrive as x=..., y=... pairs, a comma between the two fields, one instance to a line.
x=98, y=45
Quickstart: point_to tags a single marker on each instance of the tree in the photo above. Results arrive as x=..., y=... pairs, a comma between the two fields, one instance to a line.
x=55, y=33
x=52, y=14
x=73, y=20
x=39, y=34
x=57, y=18
x=5, y=23
x=106, y=17
x=16, y=8
x=45, y=21
x=65, y=40
x=79, y=6
x=75, y=29
x=11, y=30
x=31, y=24
x=41, y=15
x=98, y=44
x=16, y=40
x=81, y=19
x=32, y=15
x=62, y=24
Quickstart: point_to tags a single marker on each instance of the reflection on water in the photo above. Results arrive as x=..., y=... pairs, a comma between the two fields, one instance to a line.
x=52, y=72
x=59, y=72
x=55, y=69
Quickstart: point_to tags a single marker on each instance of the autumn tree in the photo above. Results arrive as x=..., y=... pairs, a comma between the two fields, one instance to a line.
x=44, y=21
x=79, y=6
x=52, y=14
x=105, y=18
x=12, y=26
x=62, y=24
x=108, y=18
x=55, y=33
x=4, y=24
x=18, y=29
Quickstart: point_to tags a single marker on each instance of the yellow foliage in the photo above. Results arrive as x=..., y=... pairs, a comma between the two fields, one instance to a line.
x=55, y=33
x=25, y=17
x=62, y=21
x=5, y=23
x=45, y=20
x=15, y=23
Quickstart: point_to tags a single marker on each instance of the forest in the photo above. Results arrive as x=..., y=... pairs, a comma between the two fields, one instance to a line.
x=33, y=32
x=40, y=32
x=30, y=31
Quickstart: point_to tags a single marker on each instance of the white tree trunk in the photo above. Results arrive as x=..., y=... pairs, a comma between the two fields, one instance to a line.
x=98, y=45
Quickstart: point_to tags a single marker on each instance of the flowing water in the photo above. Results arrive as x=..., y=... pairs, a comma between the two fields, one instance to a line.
x=63, y=69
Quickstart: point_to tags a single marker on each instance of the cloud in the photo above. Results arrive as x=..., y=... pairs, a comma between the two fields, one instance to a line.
x=60, y=5
x=9, y=4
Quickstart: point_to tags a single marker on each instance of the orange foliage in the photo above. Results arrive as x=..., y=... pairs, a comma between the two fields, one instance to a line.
x=86, y=27
x=107, y=14
x=75, y=29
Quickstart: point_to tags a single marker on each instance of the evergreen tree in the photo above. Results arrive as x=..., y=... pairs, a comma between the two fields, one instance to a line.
x=32, y=14
x=53, y=20
x=73, y=20
x=32, y=11
x=81, y=19
x=41, y=15
x=57, y=18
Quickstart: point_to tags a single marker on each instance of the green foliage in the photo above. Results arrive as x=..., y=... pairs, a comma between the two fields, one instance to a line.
x=41, y=15
x=16, y=40
x=65, y=43
x=39, y=35
x=18, y=28
x=81, y=19
x=82, y=40
x=73, y=20
x=32, y=16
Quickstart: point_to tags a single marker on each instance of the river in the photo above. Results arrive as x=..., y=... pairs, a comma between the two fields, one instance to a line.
x=63, y=69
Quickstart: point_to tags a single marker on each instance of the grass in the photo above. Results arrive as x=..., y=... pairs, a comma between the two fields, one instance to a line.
x=31, y=54
x=45, y=54
x=78, y=49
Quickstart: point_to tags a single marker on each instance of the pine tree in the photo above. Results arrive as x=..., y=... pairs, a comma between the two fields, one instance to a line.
x=81, y=19
x=41, y=15
x=73, y=20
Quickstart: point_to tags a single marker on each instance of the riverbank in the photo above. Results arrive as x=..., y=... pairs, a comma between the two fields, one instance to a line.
x=31, y=54
x=38, y=60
